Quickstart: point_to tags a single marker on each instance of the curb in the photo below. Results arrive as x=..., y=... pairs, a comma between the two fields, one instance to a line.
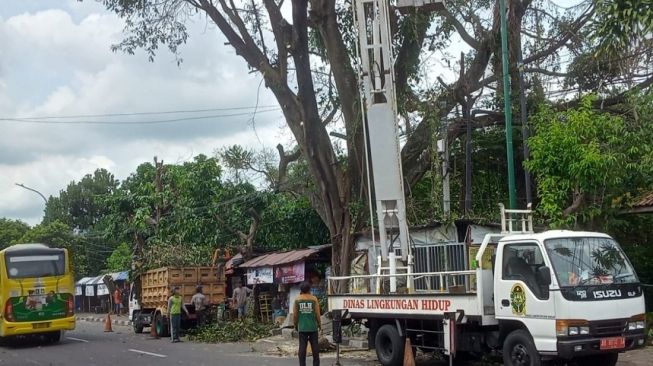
x=102, y=320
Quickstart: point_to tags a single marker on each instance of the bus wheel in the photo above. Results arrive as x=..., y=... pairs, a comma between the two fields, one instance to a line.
x=519, y=350
x=389, y=346
x=53, y=337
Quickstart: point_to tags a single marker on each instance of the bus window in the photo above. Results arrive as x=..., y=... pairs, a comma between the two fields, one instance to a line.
x=26, y=266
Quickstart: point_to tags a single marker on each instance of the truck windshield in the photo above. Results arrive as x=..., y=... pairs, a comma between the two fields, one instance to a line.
x=589, y=261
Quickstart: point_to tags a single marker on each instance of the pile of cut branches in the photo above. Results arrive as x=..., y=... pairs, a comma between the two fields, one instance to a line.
x=247, y=330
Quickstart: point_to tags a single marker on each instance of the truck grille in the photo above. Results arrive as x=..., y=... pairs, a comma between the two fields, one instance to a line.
x=608, y=327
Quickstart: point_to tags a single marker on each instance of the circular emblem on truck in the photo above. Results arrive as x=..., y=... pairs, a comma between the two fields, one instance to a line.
x=518, y=300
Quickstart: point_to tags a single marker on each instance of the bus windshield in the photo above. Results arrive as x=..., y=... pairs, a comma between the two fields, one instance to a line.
x=589, y=261
x=34, y=265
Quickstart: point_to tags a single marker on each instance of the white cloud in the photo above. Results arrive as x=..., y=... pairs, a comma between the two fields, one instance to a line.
x=58, y=62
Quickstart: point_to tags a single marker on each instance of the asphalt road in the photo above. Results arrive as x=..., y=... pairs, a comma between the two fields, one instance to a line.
x=88, y=345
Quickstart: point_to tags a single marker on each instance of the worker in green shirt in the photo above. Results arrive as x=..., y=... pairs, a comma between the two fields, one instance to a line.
x=306, y=316
x=175, y=305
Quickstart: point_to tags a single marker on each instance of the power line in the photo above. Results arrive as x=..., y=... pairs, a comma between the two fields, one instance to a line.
x=173, y=120
x=139, y=113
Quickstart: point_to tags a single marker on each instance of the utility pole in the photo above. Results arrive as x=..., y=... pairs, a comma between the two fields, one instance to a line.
x=45, y=200
x=507, y=105
x=466, y=104
x=446, y=189
x=523, y=114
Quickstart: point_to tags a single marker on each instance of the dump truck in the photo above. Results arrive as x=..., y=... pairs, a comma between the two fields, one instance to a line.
x=148, y=302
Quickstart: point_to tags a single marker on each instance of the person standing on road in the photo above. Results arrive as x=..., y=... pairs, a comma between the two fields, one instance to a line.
x=239, y=298
x=306, y=316
x=117, y=301
x=175, y=306
x=200, y=302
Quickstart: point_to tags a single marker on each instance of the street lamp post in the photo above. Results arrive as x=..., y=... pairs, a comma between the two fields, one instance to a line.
x=33, y=190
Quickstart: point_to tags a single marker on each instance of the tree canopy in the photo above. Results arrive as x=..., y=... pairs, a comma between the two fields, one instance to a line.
x=305, y=53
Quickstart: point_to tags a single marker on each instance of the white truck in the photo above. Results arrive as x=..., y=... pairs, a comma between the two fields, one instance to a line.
x=534, y=296
x=556, y=295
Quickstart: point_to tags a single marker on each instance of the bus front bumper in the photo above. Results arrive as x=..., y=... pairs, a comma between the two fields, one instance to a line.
x=23, y=328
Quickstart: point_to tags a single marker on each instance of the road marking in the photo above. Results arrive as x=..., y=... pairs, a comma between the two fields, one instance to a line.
x=147, y=353
x=77, y=339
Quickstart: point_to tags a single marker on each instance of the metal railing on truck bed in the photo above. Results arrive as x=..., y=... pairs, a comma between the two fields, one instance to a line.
x=449, y=282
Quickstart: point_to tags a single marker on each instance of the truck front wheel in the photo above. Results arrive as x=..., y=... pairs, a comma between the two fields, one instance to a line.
x=519, y=350
x=389, y=346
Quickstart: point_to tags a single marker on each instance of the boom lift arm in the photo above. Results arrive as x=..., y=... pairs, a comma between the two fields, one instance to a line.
x=371, y=18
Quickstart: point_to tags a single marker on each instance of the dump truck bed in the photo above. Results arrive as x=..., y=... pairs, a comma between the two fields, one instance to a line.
x=156, y=285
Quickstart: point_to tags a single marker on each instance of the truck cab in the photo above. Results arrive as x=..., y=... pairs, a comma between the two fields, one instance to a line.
x=565, y=295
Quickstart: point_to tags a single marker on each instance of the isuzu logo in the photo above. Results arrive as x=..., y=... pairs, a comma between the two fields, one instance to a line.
x=604, y=294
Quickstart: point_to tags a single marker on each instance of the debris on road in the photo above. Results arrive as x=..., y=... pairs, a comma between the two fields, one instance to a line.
x=247, y=330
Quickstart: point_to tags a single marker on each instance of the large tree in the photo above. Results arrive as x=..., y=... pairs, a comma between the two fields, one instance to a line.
x=11, y=231
x=304, y=52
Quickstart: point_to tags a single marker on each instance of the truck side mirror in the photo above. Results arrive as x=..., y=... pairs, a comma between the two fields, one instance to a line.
x=544, y=276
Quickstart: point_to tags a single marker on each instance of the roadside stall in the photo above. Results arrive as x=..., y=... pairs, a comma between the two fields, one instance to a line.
x=81, y=301
x=277, y=277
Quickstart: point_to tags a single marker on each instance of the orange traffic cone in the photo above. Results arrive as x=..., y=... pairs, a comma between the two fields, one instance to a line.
x=409, y=360
x=107, y=324
x=153, y=333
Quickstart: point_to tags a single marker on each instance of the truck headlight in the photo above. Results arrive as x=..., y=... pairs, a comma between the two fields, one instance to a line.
x=572, y=327
x=637, y=322
x=636, y=325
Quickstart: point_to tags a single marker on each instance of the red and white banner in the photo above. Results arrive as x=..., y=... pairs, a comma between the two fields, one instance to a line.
x=408, y=304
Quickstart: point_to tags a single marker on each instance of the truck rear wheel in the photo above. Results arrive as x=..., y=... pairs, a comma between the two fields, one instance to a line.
x=519, y=350
x=161, y=325
x=389, y=346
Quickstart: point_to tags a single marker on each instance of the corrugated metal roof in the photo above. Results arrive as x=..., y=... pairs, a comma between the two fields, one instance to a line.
x=83, y=281
x=120, y=276
x=95, y=280
x=644, y=201
x=276, y=259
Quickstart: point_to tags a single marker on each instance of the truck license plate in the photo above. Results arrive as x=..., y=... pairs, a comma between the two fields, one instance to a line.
x=613, y=343
x=40, y=325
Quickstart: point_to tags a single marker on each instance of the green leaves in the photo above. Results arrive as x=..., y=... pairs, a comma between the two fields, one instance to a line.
x=622, y=24
x=120, y=259
x=11, y=231
x=585, y=160
x=245, y=330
